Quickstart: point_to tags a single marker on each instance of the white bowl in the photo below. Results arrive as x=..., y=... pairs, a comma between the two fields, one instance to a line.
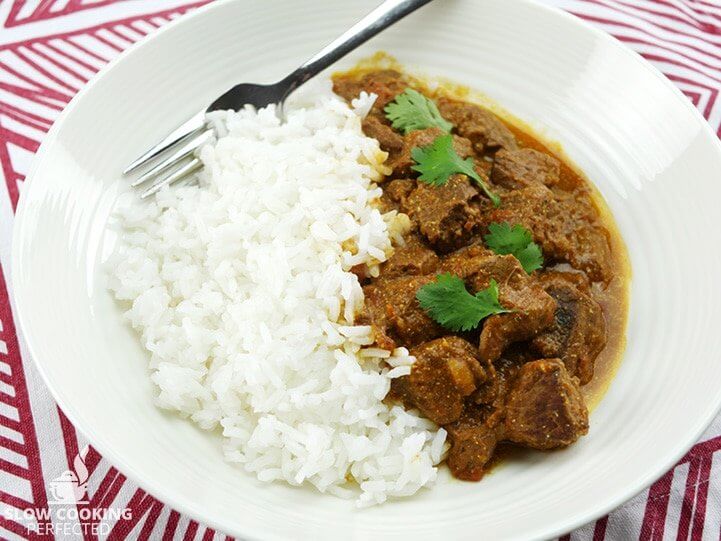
x=649, y=152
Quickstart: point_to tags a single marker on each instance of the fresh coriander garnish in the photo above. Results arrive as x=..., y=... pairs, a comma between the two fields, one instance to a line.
x=439, y=160
x=518, y=241
x=411, y=110
x=449, y=303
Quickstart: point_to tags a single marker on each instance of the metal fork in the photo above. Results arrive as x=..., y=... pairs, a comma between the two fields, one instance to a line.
x=173, y=158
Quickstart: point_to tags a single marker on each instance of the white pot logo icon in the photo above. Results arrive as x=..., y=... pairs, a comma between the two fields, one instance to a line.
x=71, y=487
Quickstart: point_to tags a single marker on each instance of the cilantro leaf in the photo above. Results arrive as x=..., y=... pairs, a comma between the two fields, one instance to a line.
x=449, y=303
x=504, y=239
x=517, y=241
x=439, y=160
x=530, y=258
x=411, y=110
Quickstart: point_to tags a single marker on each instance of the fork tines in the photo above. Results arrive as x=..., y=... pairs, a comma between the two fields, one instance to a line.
x=178, y=152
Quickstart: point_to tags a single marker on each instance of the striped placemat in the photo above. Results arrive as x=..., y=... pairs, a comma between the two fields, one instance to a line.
x=48, y=51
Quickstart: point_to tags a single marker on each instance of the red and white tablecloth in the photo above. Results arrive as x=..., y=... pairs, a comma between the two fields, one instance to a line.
x=48, y=51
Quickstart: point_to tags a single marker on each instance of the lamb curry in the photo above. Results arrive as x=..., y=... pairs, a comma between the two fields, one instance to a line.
x=510, y=288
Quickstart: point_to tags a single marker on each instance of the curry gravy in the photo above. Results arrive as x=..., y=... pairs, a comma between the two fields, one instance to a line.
x=614, y=298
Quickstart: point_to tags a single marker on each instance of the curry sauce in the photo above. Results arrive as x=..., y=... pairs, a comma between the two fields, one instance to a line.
x=527, y=375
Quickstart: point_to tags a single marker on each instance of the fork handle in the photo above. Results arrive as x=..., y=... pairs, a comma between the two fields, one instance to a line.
x=380, y=18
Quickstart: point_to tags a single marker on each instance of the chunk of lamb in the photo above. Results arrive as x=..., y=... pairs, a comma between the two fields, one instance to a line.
x=413, y=259
x=532, y=307
x=578, y=333
x=402, y=162
x=389, y=139
x=467, y=261
x=493, y=395
x=446, y=216
x=473, y=441
x=515, y=169
x=398, y=190
x=445, y=372
x=545, y=408
x=386, y=84
x=484, y=129
x=396, y=317
x=564, y=224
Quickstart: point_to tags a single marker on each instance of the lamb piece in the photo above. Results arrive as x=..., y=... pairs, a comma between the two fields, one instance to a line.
x=485, y=130
x=413, y=259
x=392, y=310
x=577, y=279
x=447, y=216
x=347, y=87
x=386, y=84
x=524, y=167
x=402, y=161
x=492, y=394
x=506, y=369
x=389, y=139
x=565, y=224
x=399, y=189
x=533, y=308
x=445, y=372
x=578, y=333
x=467, y=261
x=473, y=441
x=592, y=253
x=545, y=408
x=400, y=392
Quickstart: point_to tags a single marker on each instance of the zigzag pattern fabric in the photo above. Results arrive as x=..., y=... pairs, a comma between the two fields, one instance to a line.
x=48, y=50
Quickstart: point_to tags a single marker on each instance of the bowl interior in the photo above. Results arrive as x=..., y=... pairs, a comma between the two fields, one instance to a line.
x=651, y=156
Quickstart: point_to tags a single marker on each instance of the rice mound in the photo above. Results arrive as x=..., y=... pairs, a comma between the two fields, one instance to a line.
x=241, y=289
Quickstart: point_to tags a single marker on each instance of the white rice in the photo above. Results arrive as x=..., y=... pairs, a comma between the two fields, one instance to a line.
x=241, y=290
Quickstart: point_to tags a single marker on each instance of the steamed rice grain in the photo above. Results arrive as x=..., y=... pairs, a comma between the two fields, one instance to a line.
x=241, y=291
